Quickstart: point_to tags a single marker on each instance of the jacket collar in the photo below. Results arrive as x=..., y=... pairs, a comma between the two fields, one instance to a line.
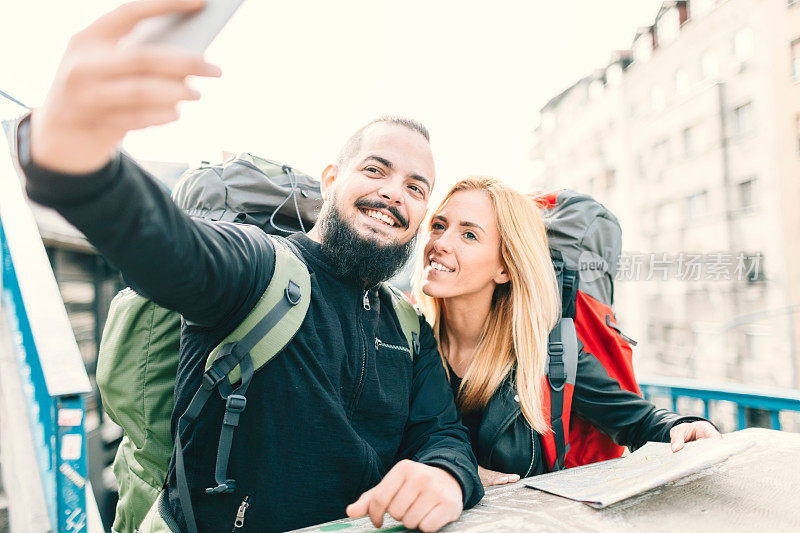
x=312, y=250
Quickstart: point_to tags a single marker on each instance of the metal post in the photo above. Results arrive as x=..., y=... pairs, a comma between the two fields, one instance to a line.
x=70, y=460
x=775, y=416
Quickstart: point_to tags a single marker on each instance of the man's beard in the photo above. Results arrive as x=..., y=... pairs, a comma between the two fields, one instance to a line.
x=355, y=257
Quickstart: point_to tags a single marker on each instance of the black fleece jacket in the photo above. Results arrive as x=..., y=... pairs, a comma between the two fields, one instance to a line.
x=326, y=418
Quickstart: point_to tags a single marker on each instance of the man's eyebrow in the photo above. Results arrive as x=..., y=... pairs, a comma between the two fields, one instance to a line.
x=382, y=160
x=423, y=179
x=388, y=164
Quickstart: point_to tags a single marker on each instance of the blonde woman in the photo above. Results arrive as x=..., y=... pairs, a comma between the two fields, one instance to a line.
x=487, y=286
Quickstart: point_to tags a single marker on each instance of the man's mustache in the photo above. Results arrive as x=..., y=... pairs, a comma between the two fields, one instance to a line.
x=373, y=204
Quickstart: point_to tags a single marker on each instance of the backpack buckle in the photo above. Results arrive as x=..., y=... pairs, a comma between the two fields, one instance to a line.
x=212, y=377
x=235, y=403
x=556, y=369
x=557, y=375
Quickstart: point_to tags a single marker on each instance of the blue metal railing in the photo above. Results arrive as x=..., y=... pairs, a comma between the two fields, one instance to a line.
x=744, y=397
x=51, y=369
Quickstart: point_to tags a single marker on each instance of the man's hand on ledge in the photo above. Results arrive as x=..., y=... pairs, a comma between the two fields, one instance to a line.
x=102, y=90
x=689, y=431
x=420, y=496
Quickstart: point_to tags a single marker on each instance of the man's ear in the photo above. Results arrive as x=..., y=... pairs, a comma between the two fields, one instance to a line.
x=328, y=177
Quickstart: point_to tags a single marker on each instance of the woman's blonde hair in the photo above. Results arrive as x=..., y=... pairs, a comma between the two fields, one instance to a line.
x=522, y=313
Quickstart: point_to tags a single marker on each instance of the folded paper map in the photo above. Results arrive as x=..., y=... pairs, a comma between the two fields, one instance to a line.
x=652, y=465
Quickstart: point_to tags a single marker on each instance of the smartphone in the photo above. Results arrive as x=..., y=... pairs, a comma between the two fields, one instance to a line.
x=192, y=32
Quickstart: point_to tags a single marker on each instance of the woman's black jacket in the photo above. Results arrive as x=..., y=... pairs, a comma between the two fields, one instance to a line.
x=503, y=441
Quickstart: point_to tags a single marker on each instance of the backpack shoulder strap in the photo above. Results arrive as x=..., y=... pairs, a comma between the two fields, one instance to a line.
x=407, y=314
x=264, y=332
x=290, y=283
x=562, y=369
x=567, y=280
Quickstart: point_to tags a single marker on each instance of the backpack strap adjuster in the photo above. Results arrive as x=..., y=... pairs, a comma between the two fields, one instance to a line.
x=556, y=374
x=212, y=377
x=235, y=403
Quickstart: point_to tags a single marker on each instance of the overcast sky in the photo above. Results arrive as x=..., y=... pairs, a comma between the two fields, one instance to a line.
x=300, y=76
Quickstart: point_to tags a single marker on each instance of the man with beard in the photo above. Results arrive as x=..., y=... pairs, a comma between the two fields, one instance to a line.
x=342, y=415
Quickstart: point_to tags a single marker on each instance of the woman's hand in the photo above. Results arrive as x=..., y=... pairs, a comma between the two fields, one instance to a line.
x=689, y=431
x=490, y=477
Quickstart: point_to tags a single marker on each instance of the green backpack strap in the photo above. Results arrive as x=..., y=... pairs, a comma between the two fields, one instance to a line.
x=408, y=315
x=266, y=330
x=289, y=268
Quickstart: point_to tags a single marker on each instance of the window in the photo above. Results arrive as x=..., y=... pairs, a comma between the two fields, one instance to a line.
x=596, y=89
x=696, y=205
x=610, y=179
x=744, y=45
x=660, y=156
x=743, y=119
x=796, y=59
x=688, y=141
x=643, y=47
x=640, y=172
x=747, y=194
x=614, y=75
x=681, y=82
x=709, y=65
x=669, y=25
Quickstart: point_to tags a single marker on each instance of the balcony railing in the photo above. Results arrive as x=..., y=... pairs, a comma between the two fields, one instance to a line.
x=51, y=371
x=744, y=397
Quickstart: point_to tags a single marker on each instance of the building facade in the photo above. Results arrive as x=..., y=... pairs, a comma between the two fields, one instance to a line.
x=693, y=139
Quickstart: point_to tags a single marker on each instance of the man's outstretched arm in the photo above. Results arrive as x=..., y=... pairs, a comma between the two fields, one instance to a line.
x=69, y=155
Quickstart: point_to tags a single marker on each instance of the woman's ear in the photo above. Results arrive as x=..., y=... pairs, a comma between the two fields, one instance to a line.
x=328, y=177
x=502, y=276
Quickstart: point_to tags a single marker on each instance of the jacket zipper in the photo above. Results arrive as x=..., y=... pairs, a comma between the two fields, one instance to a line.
x=533, y=453
x=239, y=522
x=367, y=307
x=379, y=343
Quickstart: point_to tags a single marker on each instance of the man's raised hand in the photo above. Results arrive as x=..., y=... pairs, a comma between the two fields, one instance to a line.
x=420, y=496
x=102, y=90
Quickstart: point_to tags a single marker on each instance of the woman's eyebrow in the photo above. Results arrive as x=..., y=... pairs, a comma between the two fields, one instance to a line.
x=473, y=225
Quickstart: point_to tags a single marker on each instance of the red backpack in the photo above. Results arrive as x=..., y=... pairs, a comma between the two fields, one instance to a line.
x=585, y=244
